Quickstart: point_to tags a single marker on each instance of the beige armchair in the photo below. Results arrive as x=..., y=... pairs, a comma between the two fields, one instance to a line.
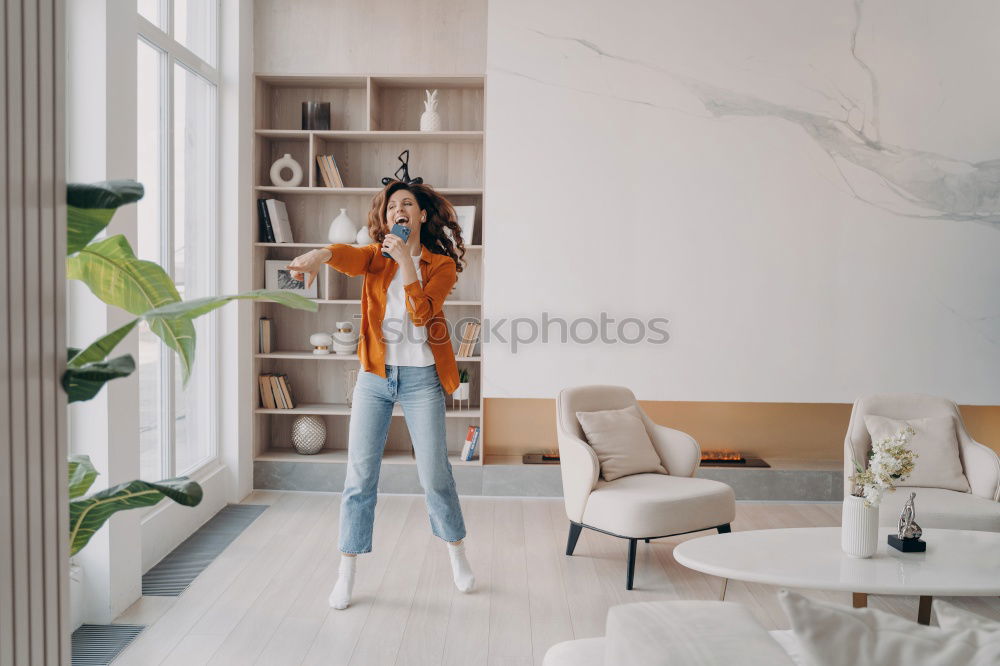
x=639, y=506
x=936, y=507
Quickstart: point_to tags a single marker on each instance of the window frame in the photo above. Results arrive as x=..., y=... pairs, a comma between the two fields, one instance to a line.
x=173, y=53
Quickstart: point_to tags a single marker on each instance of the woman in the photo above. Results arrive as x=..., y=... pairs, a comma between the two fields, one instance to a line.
x=406, y=357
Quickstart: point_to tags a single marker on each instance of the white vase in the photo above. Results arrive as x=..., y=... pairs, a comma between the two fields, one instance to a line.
x=345, y=338
x=76, y=599
x=858, y=528
x=363, y=237
x=430, y=119
x=462, y=392
x=286, y=162
x=342, y=229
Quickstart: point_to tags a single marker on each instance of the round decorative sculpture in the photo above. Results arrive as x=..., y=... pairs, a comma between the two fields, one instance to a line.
x=286, y=162
x=430, y=119
x=342, y=229
x=321, y=342
x=308, y=434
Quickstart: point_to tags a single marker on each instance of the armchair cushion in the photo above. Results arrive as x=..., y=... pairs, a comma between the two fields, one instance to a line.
x=946, y=509
x=938, y=464
x=620, y=440
x=653, y=505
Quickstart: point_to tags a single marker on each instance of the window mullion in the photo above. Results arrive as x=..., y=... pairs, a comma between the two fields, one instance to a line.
x=167, y=261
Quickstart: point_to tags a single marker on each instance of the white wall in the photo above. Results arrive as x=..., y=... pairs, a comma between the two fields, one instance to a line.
x=815, y=223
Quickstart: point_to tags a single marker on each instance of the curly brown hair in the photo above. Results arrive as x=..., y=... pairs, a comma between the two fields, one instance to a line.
x=440, y=216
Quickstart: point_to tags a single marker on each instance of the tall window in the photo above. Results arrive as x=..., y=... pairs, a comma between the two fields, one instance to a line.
x=178, y=80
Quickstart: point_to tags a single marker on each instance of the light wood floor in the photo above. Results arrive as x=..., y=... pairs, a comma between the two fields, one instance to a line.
x=264, y=600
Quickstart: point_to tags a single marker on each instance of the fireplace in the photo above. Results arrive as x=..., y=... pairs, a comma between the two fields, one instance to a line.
x=730, y=458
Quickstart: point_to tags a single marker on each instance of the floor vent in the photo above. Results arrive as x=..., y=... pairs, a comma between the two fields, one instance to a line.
x=99, y=644
x=174, y=573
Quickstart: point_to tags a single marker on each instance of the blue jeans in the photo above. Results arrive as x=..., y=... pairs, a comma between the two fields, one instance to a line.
x=420, y=393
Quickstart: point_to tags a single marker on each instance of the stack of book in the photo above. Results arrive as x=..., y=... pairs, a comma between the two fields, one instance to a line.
x=470, y=334
x=471, y=444
x=328, y=171
x=264, y=337
x=274, y=226
x=275, y=391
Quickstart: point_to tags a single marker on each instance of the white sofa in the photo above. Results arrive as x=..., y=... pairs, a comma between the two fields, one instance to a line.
x=936, y=507
x=638, y=506
x=692, y=633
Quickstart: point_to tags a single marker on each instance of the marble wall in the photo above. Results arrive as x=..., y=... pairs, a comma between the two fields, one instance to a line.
x=808, y=190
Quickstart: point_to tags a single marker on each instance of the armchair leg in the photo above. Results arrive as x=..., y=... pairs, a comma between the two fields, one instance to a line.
x=574, y=535
x=724, y=529
x=631, y=563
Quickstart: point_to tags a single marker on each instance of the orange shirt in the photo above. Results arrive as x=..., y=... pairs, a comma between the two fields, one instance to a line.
x=424, y=303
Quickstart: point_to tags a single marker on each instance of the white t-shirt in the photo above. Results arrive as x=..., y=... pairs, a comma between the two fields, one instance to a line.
x=405, y=344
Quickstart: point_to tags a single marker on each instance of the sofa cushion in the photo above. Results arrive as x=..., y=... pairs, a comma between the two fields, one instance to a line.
x=689, y=632
x=946, y=509
x=581, y=652
x=620, y=440
x=938, y=464
x=836, y=635
x=651, y=505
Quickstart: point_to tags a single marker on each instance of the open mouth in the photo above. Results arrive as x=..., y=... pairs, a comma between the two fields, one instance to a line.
x=402, y=220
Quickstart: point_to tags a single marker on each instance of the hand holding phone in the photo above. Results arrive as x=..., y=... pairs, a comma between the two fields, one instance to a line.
x=402, y=232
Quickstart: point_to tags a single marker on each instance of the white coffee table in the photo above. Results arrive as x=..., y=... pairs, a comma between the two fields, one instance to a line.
x=957, y=563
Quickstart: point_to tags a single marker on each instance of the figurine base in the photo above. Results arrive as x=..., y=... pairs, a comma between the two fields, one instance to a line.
x=907, y=545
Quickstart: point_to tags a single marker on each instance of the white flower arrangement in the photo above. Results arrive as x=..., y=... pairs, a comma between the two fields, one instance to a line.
x=890, y=460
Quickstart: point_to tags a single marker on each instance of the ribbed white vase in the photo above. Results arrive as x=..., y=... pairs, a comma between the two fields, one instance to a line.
x=858, y=528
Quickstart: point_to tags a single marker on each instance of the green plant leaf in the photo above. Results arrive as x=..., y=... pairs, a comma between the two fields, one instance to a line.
x=198, y=306
x=81, y=475
x=90, y=207
x=99, y=350
x=86, y=381
x=117, y=277
x=88, y=514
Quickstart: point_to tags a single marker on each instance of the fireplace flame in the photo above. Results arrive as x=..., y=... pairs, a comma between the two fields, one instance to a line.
x=721, y=455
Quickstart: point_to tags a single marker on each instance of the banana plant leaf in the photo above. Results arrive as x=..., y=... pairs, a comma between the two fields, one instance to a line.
x=88, y=514
x=85, y=381
x=196, y=307
x=81, y=475
x=99, y=349
x=90, y=208
x=117, y=277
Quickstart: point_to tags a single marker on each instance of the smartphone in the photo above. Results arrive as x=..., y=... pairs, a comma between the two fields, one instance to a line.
x=402, y=232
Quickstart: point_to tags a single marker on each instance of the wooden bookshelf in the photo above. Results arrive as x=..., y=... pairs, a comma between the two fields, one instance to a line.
x=373, y=119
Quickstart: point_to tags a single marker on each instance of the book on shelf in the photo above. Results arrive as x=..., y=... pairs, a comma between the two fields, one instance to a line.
x=286, y=391
x=275, y=391
x=266, y=396
x=278, y=215
x=470, y=334
x=329, y=171
x=266, y=232
x=324, y=171
x=471, y=442
x=264, y=336
x=334, y=171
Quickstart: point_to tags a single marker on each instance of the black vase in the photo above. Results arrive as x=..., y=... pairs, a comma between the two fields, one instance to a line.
x=315, y=115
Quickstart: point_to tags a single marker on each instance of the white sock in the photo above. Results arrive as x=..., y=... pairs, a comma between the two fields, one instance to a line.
x=340, y=598
x=460, y=569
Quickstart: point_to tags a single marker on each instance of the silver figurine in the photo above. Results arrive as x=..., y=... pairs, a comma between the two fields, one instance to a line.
x=908, y=527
